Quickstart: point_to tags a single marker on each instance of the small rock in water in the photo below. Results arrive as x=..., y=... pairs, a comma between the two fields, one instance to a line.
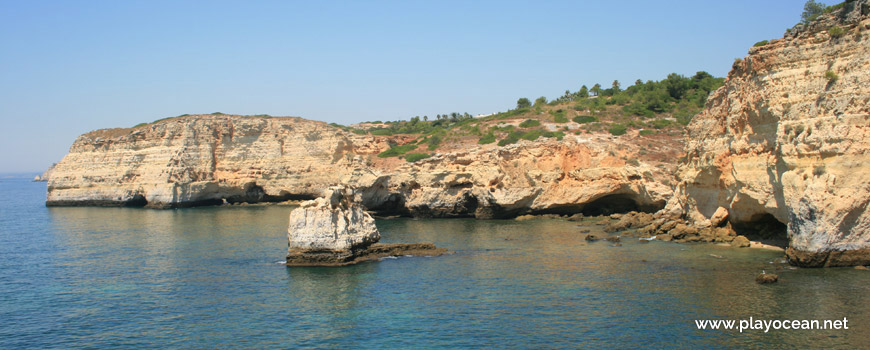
x=612, y=238
x=717, y=256
x=764, y=278
x=859, y=267
x=617, y=244
x=585, y=231
x=576, y=217
x=740, y=242
x=591, y=238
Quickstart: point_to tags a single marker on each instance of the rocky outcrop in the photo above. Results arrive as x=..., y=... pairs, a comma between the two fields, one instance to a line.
x=215, y=159
x=332, y=223
x=335, y=231
x=45, y=175
x=786, y=140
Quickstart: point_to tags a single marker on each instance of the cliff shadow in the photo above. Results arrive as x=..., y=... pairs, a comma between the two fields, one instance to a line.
x=764, y=228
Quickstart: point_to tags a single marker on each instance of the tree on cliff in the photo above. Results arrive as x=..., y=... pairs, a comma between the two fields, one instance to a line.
x=812, y=10
x=596, y=89
x=523, y=103
x=584, y=92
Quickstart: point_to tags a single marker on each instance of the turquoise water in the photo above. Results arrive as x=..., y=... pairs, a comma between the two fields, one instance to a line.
x=208, y=278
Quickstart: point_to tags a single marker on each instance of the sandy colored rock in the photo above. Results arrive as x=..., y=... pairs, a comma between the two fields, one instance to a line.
x=740, y=242
x=211, y=159
x=787, y=137
x=719, y=217
x=333, y=223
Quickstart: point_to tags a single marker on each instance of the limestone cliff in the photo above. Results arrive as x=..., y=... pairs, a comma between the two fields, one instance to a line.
x=198, y=160
x=207, y=159
x=786, y=139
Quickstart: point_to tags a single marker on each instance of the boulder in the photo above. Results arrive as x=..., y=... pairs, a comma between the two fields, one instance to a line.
x=765, y=278
x=740, y=242
x=719, y=217
x=591, y=238
x=682, y=230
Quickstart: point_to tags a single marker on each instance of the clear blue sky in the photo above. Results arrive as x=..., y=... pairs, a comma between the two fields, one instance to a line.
x=68, y=67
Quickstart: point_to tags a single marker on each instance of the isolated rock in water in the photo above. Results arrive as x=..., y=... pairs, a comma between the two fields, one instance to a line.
x=612, y=238
x=740, y=242
x=591, y=238
x=332, y=223
x=764, y=278
x=336, y=231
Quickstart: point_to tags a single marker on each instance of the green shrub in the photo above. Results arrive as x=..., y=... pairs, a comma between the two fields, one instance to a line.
x=530, y=123
x=413, y=157
x=513, y=137
x=382, y=132
x=761, y=43
x=617, y=129
x=559, y=116
x=396, y=151
x=660, y=123
x=583, y=119
x=646, y=132
x=633, y=162
x=836, y=32
x=485, y=139
x=831, y=76
x=434, y=141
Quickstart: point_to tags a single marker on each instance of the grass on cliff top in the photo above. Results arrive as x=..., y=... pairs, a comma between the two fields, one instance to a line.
x=661, y=106
x=185, y=115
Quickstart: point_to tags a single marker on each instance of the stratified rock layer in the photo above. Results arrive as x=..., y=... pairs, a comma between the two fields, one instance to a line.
x=787, y=137
x=213, y=159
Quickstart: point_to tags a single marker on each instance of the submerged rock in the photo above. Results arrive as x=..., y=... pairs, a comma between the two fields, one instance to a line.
x=765, y=278
x=336, y=231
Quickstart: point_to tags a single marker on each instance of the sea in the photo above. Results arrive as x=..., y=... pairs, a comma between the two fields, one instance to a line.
x=211, y=277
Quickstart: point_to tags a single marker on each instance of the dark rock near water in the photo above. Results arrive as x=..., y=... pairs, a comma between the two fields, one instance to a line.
x=765, y=278
x=303, y=257
x=591, y=238
x=740, y=242
x=612, y=238
x=835, y=258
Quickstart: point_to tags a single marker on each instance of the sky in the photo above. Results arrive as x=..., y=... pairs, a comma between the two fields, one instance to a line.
x=69, y=67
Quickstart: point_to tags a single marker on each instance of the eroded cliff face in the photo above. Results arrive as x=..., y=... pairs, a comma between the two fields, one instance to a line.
x=786, y=137
x=198, y=160
x=205, y=160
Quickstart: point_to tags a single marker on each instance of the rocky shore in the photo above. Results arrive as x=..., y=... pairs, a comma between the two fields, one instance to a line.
x=780, y=151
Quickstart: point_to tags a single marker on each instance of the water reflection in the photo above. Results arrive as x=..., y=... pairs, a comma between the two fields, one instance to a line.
x=206, y=277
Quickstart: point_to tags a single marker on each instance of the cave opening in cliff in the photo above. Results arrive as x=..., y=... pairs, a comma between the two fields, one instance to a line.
x=136, y=202
x=254, y=193
x=615, y=203
x=764, y=228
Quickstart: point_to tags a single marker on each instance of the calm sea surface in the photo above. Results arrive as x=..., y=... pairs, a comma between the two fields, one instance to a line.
x=107, y=278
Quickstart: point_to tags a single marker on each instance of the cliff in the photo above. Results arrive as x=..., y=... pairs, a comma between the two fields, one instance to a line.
x=212, y=159
x=785, y=142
